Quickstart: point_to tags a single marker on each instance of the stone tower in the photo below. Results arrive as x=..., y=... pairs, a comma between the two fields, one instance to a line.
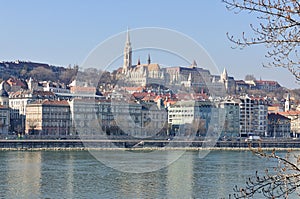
x=127, y=54
x=3, y=95
x=224, y=79
x=287, y=104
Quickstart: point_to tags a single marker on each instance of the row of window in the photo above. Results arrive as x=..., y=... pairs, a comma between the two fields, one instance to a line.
x=185, y=115
x=180, y=110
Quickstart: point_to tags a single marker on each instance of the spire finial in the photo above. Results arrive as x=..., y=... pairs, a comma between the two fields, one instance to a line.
x=225, y=75
x=149, y=59
x=194, y=64
x=127, y=36
x=139, y=61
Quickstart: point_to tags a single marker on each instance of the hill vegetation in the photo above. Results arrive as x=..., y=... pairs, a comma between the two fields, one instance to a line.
x=39, y=71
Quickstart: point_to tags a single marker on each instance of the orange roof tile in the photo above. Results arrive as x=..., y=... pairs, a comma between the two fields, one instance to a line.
x=56, y=102
x=290, y=113
x=3, y=107
x=15, y=82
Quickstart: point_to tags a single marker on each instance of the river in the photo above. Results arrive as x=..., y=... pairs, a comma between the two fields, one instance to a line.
x=77, y=174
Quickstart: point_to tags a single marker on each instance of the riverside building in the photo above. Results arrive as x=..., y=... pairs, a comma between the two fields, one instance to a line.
x=253, y=116
x=48, y=117
x=294, y=116
x=4, y=111
x=231, y=126
x=188, y=112
x=278, y=125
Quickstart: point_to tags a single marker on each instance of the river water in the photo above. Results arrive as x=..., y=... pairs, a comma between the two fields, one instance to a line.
x=77, y=174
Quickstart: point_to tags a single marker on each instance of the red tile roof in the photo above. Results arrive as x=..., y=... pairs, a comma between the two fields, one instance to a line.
x=290, y=113
x=266, y=82
x=15, y=82
x=3, y=107
x=55, y=102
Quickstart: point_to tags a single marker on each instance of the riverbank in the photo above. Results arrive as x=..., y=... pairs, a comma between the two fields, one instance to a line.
x=146, y=145
x=146, y=149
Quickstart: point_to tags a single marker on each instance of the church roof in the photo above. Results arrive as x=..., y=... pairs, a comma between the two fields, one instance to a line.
x=153, y=67
x=15, y=82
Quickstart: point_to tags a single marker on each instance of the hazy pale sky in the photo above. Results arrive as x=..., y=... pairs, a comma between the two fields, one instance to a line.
x=62, y=32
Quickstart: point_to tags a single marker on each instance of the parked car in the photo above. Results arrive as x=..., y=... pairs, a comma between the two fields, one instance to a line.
x=253, y=138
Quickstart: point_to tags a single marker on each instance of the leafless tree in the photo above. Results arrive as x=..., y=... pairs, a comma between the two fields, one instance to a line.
x=277, y=182
x=278, y=29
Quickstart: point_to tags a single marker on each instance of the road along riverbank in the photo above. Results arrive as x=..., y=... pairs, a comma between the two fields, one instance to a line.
x=78, y=144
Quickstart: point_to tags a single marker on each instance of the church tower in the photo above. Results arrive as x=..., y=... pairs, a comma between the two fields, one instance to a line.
x=224, y=79
x=287, y=104
x=127, y=54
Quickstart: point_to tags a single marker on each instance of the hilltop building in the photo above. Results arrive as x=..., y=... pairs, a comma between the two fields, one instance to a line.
x=140, y=74
x=265, y=85
x=189, y=77
x=224, y=81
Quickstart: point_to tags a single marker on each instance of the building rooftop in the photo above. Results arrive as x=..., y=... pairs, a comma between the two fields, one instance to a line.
x=290, y=113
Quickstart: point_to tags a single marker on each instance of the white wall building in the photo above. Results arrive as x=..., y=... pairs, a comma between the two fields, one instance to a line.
x=253, y=116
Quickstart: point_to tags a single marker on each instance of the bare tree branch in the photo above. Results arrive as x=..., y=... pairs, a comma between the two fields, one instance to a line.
x=279, y=30
x=279, y=182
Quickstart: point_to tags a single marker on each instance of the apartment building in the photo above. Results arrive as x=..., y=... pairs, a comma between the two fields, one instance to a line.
x=253, y=116
x=231, y=126
x=294, y=116
x=187, y=112
x=4, y=120
x=48, y=117
x=278, y=125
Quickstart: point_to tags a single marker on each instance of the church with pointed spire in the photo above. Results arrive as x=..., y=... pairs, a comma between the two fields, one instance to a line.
x=140, y=74
x=127, y=54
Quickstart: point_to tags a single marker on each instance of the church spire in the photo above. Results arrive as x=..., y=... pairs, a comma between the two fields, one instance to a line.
x=224, y=79
x=149, y=59
x=127, y=54
x=194, y=64
x=287, y=105
x=225, y=75
x=139, y=62
x=127, y=37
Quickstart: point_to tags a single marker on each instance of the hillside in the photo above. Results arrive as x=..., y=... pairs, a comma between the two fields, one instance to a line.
x=39, y=71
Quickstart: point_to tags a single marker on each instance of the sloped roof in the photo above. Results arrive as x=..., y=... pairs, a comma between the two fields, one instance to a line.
x=290, y=113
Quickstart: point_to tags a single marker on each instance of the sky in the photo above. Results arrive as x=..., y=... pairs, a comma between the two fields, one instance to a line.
x=63, y=32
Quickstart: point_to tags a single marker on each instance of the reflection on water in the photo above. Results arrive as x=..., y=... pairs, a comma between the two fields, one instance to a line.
x=70, y=174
